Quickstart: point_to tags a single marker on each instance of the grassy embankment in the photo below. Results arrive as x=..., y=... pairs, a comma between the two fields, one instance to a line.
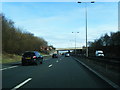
x=8, y=58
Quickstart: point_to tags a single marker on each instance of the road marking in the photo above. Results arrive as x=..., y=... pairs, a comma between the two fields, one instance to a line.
x=50, y=65
x=21, y=84
x=57, y=61
x=98, y=74
x=47, y=59
x=8, y=68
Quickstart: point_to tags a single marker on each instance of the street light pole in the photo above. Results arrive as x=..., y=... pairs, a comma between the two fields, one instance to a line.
x=86, y=30
x=75, y=41
x=86, y=24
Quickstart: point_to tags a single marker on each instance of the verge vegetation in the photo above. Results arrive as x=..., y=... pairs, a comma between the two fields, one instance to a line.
x=16, y=41
x=8, y=58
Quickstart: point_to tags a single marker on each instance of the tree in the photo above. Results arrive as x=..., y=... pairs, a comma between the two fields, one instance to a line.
x=106, y=40
x=16, y=41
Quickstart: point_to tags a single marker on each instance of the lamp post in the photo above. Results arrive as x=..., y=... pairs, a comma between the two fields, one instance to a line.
x=86, y=24
x=75, y=40
x=119, y=16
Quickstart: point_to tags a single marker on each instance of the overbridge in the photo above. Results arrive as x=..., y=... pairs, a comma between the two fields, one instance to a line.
x=68, y=49
x=71, y=48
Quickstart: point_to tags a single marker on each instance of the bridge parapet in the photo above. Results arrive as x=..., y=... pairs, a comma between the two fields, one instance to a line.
x=63, y=49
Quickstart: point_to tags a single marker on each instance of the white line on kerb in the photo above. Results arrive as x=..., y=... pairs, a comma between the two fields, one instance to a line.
x=50, y=65
x=21, y=84
x=98, y=74
x=8, y=68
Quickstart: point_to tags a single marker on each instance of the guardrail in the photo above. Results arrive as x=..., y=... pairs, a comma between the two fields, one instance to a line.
x=106, y=60
x=111, y=61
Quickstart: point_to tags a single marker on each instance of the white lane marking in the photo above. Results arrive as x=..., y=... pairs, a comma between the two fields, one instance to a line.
x=8, y=68
x=3, y=69
x=57, y=61
x=50, y=65
x=47, y=59
x=21, y=84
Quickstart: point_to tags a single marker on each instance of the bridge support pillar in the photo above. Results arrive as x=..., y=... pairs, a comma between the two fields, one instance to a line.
x=57, y=52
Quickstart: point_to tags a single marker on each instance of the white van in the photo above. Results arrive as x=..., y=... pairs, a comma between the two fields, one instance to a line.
x=99, y=53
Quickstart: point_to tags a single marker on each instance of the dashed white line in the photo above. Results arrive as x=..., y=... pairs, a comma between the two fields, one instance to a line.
x=57, y=61
x=8, y=68
x=21, y=84
x=50, y=65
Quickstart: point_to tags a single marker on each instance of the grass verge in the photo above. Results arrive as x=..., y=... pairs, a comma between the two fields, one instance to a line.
x=8, y=58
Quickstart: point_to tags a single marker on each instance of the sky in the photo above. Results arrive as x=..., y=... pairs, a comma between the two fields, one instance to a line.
x=58, y=0
x=55, y=21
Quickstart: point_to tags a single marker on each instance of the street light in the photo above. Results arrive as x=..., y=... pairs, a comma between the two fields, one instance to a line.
x=86, y=24
x=75, y=40
x=119, y=16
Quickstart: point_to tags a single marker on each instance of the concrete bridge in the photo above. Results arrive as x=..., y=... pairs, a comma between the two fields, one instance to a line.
x=65, y=49
x=68, y=49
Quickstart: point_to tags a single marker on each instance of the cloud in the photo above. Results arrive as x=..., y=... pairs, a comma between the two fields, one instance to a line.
x=65, y=38
x=57, y=28
x=93, y=33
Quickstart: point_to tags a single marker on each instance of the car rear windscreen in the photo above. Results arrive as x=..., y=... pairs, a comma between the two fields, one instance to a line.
x=28, y=54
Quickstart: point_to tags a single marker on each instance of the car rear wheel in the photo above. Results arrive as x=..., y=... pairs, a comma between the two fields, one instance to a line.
x=23, y=64
x=41, y=62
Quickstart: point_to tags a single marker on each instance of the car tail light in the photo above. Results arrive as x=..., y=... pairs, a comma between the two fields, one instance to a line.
x=34, y=57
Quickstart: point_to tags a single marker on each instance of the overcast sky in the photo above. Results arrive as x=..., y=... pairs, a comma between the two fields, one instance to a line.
x=55, y=21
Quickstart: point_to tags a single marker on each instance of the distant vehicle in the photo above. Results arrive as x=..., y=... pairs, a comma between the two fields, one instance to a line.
x=67, y=55
x=55, y=56
x=99, y=53
x=32, y=57
x=62, y=54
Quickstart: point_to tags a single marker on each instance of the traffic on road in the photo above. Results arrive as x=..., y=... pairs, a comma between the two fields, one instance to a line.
x=59, y=72
x=59, y=44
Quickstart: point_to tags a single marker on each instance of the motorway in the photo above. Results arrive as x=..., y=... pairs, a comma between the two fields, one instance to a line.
x=62, y=72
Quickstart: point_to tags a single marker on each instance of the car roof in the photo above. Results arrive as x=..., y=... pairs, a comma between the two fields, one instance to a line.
x=99, y=51
x=54, y=54
x=31, y=52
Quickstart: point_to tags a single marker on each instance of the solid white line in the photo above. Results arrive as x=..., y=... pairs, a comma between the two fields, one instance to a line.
x=3, y=69
x=8, y=68
x=21, y=84
x=104, y=78
x=50, y=65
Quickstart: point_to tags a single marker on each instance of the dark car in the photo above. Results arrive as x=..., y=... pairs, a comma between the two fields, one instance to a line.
x=32, y=57
x=62, y=53
x=55, y=56
x=67, y=55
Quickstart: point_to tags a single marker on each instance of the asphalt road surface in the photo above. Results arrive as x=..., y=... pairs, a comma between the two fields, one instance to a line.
x=62, y=72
